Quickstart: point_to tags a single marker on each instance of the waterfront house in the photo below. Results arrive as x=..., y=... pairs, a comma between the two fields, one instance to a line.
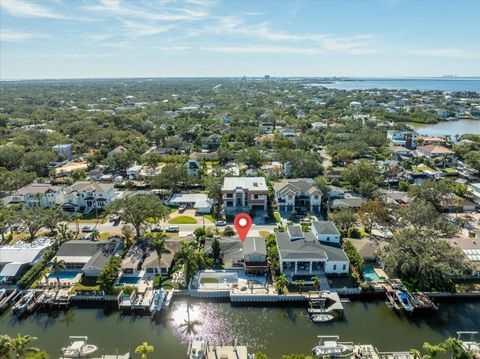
x=406, y=139
x=299, y=194
x=255, y=256
x=243, y=194
x=231, y=252
x=16, y=259
x=88, y=257
x=37, y=195
x=88, y=196
x=433, y=151
x=305, y=254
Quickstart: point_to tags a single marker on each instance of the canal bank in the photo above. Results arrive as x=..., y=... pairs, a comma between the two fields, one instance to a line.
x=274, y=330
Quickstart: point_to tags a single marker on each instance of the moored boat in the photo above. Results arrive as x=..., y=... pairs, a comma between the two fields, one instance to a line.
x=404, y=299
x=197, y=349
x=78, y=348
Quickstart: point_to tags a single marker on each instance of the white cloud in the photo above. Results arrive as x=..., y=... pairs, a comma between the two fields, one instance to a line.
x=453, y=53
x=266, y=49
x=135, y=29
x=25, y=9
x=161, y=12
x=14, y=36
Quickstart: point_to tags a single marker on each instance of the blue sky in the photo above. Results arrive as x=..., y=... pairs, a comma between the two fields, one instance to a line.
x=139, y=38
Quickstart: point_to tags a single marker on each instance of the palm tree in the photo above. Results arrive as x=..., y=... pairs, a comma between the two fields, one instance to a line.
x=76, y=218
x=45, y=275
x=454, y=346
x=57, y=267
x=143, y=349
x=160, y=247
x=432, y=350
x=280, y=283
x=95, y=235
x=316, y=283
x=300, y=283
x=18, y=345
x=416, y=353
x=5, y=341
x=187, y=257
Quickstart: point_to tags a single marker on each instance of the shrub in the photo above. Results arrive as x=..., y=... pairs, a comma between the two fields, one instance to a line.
x=228, y=231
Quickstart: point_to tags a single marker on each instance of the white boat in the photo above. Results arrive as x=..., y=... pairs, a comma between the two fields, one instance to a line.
x=3, y=293
x=197, y=349
x=322, y=318
x=21, y=306
x=78, y=348
x=404, y=299
x=157, y=303
x=329, y=346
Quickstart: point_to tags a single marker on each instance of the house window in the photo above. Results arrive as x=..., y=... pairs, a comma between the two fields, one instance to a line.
x=328, y=239
x=255, y=196
x=344, y=267
x=334, y=267
x=229, y=195
x=150, y=270
x=128, y=271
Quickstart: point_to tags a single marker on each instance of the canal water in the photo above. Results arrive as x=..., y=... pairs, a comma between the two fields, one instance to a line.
x=274, y=330
x=448, y=128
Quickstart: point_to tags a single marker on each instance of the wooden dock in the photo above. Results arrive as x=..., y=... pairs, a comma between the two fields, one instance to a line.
x=8, y=299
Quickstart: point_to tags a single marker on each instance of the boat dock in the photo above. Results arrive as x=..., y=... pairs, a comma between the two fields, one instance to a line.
x=10, y=298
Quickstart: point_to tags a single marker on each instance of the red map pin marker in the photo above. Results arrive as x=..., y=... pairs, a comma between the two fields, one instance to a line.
x=242, y=223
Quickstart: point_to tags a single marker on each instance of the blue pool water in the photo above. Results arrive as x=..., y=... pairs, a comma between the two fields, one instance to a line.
x=128, y=280
x=370, y=275
x=65, y=274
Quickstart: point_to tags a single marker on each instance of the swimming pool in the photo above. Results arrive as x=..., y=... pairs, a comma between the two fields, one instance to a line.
x=128, y=280
x=64, y=274
x=370, y=275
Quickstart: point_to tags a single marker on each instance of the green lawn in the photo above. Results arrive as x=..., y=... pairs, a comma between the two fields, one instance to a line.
x=209, y=217
x=183, y=220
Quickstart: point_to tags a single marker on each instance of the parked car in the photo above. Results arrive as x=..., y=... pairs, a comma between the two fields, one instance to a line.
x=182, y=209
x=220, y=223
x=157, y=229
x=87, y=229
x=172, y=229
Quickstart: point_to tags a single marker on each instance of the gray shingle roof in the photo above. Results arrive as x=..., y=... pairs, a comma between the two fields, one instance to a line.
x=325, y=227
x=254, y=245
x=309, y=247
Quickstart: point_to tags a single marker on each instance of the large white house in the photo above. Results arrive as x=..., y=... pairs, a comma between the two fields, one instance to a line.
x=300, y=194
x=87, y=196
x=38, y=195
x=406, y=139
x=242, y=194
x=305, y=254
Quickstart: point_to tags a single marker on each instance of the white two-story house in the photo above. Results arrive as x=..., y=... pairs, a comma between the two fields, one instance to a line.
x=243, y=194
x=406, y=139
x=86, y=197
x=300, y=194
x=315, y=253
x=38, y=195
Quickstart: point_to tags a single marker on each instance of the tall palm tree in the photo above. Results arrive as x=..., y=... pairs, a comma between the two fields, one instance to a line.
x=416, y=353
x=187, y=257
x=300, y=283
x=316, y=283
x=280, y=283
x=5, y=348
x=432, y=350
x=45, y=275
x=57, y=267
x=95, y=235
x=18, y=345
x=143, y=349
x=454, y=346
x=159, y=247
x=76, y=218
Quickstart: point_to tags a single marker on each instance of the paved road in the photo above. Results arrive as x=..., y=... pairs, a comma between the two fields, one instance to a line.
x=184, y=228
